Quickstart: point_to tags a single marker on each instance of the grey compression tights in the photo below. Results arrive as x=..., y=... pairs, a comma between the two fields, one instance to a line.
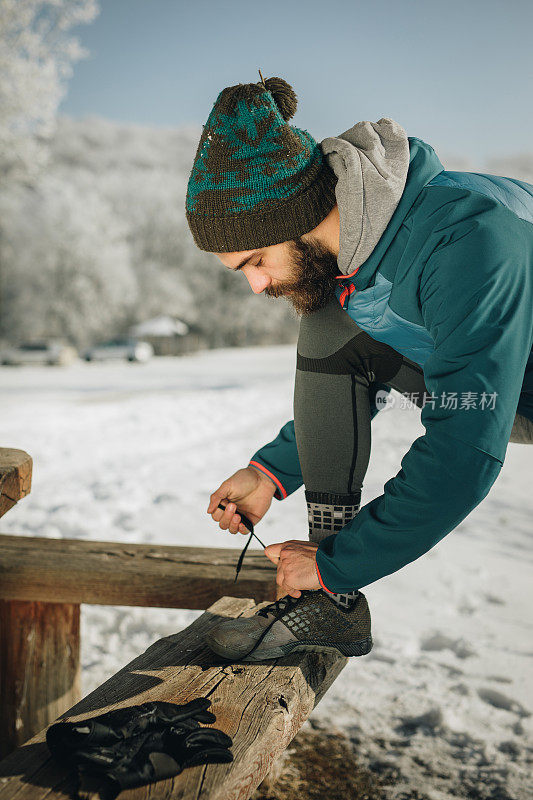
x=339, y=369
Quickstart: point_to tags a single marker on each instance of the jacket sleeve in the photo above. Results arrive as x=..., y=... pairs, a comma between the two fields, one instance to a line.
x=476, y=294
x=279, y=461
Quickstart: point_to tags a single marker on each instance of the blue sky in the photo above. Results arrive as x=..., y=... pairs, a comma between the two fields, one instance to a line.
x=457, y=74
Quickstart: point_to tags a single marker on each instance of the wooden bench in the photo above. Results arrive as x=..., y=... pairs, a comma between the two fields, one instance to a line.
x=42, y=584
x=44, y=581
x=261, y=706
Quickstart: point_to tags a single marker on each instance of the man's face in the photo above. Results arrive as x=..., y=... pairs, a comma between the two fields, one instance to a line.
x=303, y=271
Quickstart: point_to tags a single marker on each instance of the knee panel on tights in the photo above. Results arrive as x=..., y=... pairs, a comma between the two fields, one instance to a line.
x=360, y=355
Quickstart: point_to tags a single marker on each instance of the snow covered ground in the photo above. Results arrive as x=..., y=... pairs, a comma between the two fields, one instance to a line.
x=131, y=453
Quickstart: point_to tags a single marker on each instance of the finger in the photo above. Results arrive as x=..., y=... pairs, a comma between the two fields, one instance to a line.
x=302, y=549
x=292, y=554
x=217, y=514
x=286, y=589
x=294, y=592
x=234, y=523
x=296, y=544
x=286, y=554
x=218, y=510
x=224, y=516
x=220, y=494
x=227, y=516
x=272, y=551
x=243, y=529
x=282, y=582
x=277, y=547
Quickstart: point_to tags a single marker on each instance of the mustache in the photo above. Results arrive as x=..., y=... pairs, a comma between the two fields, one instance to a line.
x=284, y=289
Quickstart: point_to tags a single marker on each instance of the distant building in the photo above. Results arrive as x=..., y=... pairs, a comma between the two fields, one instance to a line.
x=168, y=336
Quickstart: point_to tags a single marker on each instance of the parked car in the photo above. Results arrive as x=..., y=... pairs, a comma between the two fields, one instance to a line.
x=52, y=353
x=131, y=349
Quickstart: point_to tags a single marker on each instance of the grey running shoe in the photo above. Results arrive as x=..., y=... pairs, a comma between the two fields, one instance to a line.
x=310, y=622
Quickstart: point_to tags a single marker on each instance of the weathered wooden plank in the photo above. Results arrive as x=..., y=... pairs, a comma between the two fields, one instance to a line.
x=111, y=573
x=261, y=706
x=39, y=667
x=15, y=477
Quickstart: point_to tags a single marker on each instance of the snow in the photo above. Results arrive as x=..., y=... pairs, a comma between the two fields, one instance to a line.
x=131, y=452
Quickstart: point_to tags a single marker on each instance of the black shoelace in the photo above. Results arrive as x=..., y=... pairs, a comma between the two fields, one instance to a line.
x=247, y=524
x=280, y=606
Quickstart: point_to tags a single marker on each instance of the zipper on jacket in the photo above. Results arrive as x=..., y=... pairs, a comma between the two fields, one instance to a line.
x=344, y=298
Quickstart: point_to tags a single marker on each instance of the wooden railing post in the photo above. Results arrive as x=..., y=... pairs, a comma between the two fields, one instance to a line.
x=15, y=477
x=39, y=667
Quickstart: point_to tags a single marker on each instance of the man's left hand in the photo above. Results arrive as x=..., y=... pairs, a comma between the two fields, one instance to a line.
x=296, y=563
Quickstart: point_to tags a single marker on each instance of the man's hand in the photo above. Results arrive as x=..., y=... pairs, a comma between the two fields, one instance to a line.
x=296, y=565
x=250, y=491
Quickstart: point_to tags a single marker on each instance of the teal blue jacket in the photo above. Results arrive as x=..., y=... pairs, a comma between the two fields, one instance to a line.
x=450, y=286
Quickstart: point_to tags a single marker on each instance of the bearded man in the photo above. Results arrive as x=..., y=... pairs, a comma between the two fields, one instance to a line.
x=406, y=276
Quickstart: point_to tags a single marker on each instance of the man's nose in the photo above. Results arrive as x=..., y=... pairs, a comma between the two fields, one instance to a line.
x=258, y=282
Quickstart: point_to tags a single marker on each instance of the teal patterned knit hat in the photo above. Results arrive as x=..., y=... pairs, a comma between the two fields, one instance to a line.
x=256, y=180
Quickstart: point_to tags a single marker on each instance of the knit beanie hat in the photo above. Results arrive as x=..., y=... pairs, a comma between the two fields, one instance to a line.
x=256, y=180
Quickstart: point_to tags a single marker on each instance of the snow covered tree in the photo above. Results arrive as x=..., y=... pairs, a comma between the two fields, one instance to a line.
x=36, y=57
x=67, y=264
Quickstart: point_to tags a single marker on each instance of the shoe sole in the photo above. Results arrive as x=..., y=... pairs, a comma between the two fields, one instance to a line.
x=349, y=649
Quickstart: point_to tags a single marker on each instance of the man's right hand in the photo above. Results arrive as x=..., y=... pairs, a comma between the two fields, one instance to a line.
x=250, y=491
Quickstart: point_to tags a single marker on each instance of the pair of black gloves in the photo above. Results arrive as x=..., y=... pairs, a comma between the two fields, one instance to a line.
x=137, y=745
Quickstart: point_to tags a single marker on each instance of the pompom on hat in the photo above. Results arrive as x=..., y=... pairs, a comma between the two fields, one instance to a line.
x=256, y=180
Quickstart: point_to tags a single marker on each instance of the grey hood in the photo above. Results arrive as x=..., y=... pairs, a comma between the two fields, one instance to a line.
x=371, y=161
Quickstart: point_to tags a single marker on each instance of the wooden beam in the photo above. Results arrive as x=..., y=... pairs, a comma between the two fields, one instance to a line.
x=15, y=477
x=110, y=573
x=39, y=667
x=261, y=706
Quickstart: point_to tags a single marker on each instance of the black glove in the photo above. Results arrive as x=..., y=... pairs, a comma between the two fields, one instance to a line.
x=149, y=757
x=114, y=726
x=138, y=745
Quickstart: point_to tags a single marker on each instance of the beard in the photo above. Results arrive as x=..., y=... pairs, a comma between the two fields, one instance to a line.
x=314, y=269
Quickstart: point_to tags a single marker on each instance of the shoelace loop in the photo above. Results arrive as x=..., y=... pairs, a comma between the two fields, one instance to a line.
x=247, y=522
x=280, y=606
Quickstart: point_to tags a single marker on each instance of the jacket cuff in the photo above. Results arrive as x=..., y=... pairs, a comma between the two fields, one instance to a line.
x=326, y=569
x=280, y=492
x=323, y=585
